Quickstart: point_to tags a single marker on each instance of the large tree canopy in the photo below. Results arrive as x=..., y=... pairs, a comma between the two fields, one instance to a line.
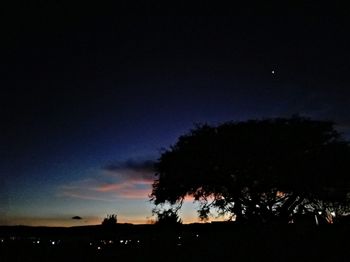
x=259, y=170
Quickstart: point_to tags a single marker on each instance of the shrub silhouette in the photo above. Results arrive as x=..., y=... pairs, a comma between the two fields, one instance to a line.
x=110, y=220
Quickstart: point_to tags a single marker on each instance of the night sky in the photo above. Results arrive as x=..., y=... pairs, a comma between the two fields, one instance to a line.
x=90, y=97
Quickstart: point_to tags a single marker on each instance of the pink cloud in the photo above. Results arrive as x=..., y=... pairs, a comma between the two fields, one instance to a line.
x=130, y=184
x=130, y=179
x=98, y=189
x=109, y=188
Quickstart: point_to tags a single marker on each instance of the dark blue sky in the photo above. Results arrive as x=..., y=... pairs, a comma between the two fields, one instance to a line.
x=81, y=91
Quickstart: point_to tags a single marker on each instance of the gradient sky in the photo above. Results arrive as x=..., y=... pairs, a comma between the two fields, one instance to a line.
x=88, y=100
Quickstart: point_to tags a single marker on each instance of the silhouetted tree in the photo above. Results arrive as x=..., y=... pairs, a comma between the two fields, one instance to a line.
x=258, y=171
x=167, y=217
x=110, y=220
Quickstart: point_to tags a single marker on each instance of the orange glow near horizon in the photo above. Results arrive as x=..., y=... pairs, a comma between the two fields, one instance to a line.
x=68, y=222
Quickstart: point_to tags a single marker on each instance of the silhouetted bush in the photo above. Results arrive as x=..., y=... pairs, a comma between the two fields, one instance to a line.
x=110, y=220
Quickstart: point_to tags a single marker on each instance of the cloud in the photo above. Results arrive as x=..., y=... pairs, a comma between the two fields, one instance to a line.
x=77, y=218
x=124, y=180
x=132, y=169
x=131, y=164
x=84, y=194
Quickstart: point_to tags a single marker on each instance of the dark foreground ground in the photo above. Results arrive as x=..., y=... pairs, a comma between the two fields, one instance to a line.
x=196, y=242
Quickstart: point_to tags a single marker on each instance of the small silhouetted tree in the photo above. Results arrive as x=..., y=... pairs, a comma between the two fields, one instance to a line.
x=110, y=220
x=258, y=170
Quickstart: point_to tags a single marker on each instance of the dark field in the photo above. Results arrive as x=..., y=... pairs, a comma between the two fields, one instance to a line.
x=196, y=242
